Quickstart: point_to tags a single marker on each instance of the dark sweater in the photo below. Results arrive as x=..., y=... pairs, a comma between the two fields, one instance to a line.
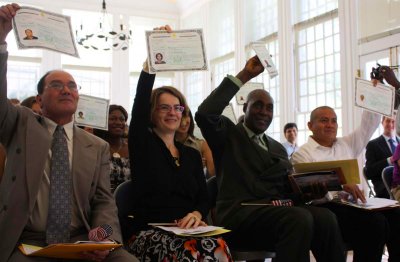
x=163, y=191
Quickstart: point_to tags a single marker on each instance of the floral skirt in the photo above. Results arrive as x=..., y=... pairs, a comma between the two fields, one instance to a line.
x=159, y=245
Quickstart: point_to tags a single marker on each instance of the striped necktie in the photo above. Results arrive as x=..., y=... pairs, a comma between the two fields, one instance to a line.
x=392, y=146
x=59, y=212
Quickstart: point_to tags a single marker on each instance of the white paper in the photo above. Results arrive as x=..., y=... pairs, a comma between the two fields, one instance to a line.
x=241, y=95
x=379, y=99
x=181, y=50
x=190, y=231
x=375, y=203
x=92, y=112
x=265, y=58
x=35, y=28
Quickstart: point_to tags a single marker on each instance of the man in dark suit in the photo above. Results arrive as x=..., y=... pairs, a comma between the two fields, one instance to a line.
x=379, y=155
x=253, y=167
x=26, y=188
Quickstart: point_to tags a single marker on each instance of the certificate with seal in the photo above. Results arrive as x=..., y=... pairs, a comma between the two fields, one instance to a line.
x=241, y=95
x=378, y=99
x=92, y=112
x=35, y=28
x=265, y=58
x=181, y=50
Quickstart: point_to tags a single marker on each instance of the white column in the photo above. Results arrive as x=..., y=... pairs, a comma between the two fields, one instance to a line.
x=119, y=89
x=286, y=63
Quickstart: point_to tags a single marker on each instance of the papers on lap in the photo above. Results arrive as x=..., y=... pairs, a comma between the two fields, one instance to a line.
x=201, y=231
x=66, y=250
x=332, y=179
x=372, y=204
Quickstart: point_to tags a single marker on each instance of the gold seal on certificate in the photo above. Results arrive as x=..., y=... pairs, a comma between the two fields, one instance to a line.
x=35, y=28
x=92, y=112
x=181, y=50
x=378, y=99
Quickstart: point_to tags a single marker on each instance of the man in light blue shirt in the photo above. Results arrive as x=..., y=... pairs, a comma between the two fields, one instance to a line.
x=290, y=132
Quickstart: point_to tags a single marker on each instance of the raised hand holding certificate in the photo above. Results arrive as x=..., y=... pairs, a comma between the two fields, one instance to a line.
x=378, y=99
x=35, y=28
x=181, y=50
x=265, y=58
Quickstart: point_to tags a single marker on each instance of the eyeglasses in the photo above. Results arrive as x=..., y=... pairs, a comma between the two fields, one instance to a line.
x=57, y=85
x=167, y=108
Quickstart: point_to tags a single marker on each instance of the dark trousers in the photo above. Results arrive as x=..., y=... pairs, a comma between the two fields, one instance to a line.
x=368, y=231
x=291, y=232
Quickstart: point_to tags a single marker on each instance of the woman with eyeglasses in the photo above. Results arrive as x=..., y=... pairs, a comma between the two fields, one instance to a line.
x=169, y=184
x=119, y=153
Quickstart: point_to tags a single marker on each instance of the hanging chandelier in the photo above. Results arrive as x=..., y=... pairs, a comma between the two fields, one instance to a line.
x=105, y=38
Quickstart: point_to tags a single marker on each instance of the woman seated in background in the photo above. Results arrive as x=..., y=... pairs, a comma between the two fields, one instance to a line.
x=31, y=103
x=119, y=153
x=186, y=136
x=169, y=184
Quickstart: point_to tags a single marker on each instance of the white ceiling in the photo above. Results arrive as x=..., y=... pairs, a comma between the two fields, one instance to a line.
x=172, y=8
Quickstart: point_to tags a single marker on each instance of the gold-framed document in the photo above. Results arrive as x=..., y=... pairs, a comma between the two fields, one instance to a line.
x=36, y=28
x=181, y=50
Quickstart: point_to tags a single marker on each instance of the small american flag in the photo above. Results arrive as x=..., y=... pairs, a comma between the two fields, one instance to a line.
x=282, y=202
x=100, y=233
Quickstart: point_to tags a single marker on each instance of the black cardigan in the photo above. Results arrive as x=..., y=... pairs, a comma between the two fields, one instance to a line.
x=163, y=191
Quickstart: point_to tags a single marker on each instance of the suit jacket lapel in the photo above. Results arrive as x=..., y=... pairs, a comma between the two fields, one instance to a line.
x=83, y=165
x=38, y=142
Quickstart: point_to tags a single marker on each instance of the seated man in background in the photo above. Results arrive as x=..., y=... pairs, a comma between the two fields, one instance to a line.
x=379, y=155
x=253, y=167
x=366, y=232
x=290, y=132
x=55, y=186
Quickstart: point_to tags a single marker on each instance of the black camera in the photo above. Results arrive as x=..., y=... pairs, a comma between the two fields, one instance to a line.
x=375, y=74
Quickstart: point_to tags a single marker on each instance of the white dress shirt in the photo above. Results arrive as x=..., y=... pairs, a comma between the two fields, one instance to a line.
x=347, y=147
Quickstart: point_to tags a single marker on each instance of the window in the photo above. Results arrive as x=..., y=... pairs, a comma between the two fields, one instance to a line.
x=261, y=19
x=194, y=89
x=22, y=78
x=318, y=71
x=221, y=69
x=307, y=9
x=165, y=79
x=93, y=82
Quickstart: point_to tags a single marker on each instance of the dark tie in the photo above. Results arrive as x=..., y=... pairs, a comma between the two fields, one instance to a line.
x=392, y=146
x=59, y=213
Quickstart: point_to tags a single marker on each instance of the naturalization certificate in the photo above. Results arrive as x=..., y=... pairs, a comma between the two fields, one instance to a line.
x=92, y=112
x=181, y=50
x=265, y=58
x=241, y=95
x=35, y=28
x=378, y=99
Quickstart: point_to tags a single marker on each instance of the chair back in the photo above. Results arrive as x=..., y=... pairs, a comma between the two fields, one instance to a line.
x=371, y=192
x=124, y=199
x=387, y=178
